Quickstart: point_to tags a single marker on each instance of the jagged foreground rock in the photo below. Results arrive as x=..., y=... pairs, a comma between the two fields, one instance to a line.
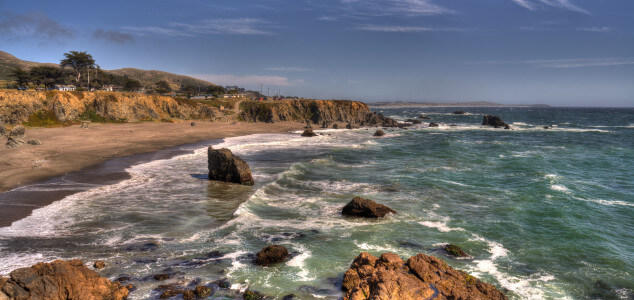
x=224, y=166
x=59, y=280
x=420, y=277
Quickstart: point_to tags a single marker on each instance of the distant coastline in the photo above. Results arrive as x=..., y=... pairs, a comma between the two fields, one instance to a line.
x=450, y=104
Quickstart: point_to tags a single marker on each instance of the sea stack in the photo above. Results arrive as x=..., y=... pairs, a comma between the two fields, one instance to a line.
x=366, y=208
x=494, y=121
x=224, y=166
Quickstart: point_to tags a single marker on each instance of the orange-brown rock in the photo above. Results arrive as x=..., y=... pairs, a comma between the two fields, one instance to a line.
x=59, y=280
x=420, y=277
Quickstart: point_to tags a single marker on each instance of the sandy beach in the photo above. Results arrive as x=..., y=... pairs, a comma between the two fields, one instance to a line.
x=70, y=149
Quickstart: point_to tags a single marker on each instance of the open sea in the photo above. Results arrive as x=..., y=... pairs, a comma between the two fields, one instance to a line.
x=544, y=213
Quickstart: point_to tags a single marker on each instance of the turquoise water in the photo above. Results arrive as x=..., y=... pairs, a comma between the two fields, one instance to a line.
x=544, y=213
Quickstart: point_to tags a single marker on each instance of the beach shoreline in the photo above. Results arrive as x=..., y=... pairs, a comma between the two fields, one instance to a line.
x=87, y=156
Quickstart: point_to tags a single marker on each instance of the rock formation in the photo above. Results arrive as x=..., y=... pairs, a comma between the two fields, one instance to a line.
x=309, y=133
x=59, y=280
x=271, y=255
x=432, y=124
x=455, y=251
x=420, y=277
x=316, y=111
x=458, y=112
x=379, y=132
x=17, y=107
x=99, y=264
x=224, y=166
x=360, y=207
x=494, y=121
x=414, y=121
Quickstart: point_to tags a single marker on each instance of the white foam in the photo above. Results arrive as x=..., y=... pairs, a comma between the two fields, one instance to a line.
x=607, y=202
x=440, y=226
x=299, y=261
x=12, y=261
x=559, y=188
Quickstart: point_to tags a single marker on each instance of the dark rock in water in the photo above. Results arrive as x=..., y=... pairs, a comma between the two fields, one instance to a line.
x=494, y=121
x=150, y=246
x=203, y=291
x=14, y=142
x=459, y=112
x=546, y=127
x=17, y=132
x=99, y=264
x=123, y=278
x=432, y=124
x=414, y=121
x=224, y=166
x=224, y=284
x=213, y=254
x=335, y=126
x=289, y=297
x=161, y=277
x=130, y=287
x=252, y=295
x=507, y=126
x=193, y=124
x=34, y=142
x=309, y=133
x=424, y=117
x=379, y=133
x=189, y=295
x=59, y=280
x=454, y=250
x=420, y=277
x=271, y=255
x=170, y=290
x=360, y=207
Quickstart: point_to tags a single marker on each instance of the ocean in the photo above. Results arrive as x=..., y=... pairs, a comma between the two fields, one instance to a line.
x=543, y=213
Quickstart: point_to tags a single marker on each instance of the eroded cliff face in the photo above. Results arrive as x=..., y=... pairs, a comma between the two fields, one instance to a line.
x=315, y=111
x=18, y=106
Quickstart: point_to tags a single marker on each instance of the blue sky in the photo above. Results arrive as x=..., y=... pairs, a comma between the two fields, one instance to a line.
x=558, y=52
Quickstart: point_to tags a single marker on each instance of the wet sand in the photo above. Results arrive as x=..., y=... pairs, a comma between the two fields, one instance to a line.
x=72, y=159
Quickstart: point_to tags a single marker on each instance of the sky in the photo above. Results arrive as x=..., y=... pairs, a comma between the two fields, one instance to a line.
x=556, y=52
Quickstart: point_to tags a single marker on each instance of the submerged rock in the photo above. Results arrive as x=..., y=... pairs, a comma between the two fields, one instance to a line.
x=379, y=133
x=414, y=121
x=271, y=255
x=494, y=121
x=432, y=124
x=455, y=251
x=252, y=295
x=202, y=291
x=458, y=112
x=309, y=133
x=224, y=166
x=59, y=280
x=422, y=117
x=360, y=207
x=420, y=277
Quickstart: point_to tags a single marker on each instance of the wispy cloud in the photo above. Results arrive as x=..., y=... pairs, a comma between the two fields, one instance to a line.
x=379, y=28
x=327, y=18
x=395, y=7
x=113, y=36
x=245, y=80
x=595, y=29
x=567, y=63
x=36, y=25
x=290, y=69
x=533, y=5
x=228, y=26
x=242, y=26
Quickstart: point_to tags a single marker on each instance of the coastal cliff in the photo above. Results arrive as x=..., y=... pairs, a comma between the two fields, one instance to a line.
x=41, y=108
x=315, y=111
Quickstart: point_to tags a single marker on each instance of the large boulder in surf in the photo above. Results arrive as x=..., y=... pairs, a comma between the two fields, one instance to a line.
x=271, y=255
x=59, y=280
x=224, y=166
x=494, y=121
x=420, y=277
x=366, y=208
x=379, y=132
x=309, y=133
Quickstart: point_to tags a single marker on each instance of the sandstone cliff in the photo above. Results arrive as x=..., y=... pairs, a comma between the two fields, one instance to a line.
x=315, y=111
x=55, y=106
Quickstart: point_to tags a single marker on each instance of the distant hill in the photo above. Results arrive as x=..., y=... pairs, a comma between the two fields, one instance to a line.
x=449, y=104
x=147, y=78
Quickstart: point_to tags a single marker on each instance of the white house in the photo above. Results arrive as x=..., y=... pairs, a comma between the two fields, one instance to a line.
x=65, y=87
x=108, y=88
